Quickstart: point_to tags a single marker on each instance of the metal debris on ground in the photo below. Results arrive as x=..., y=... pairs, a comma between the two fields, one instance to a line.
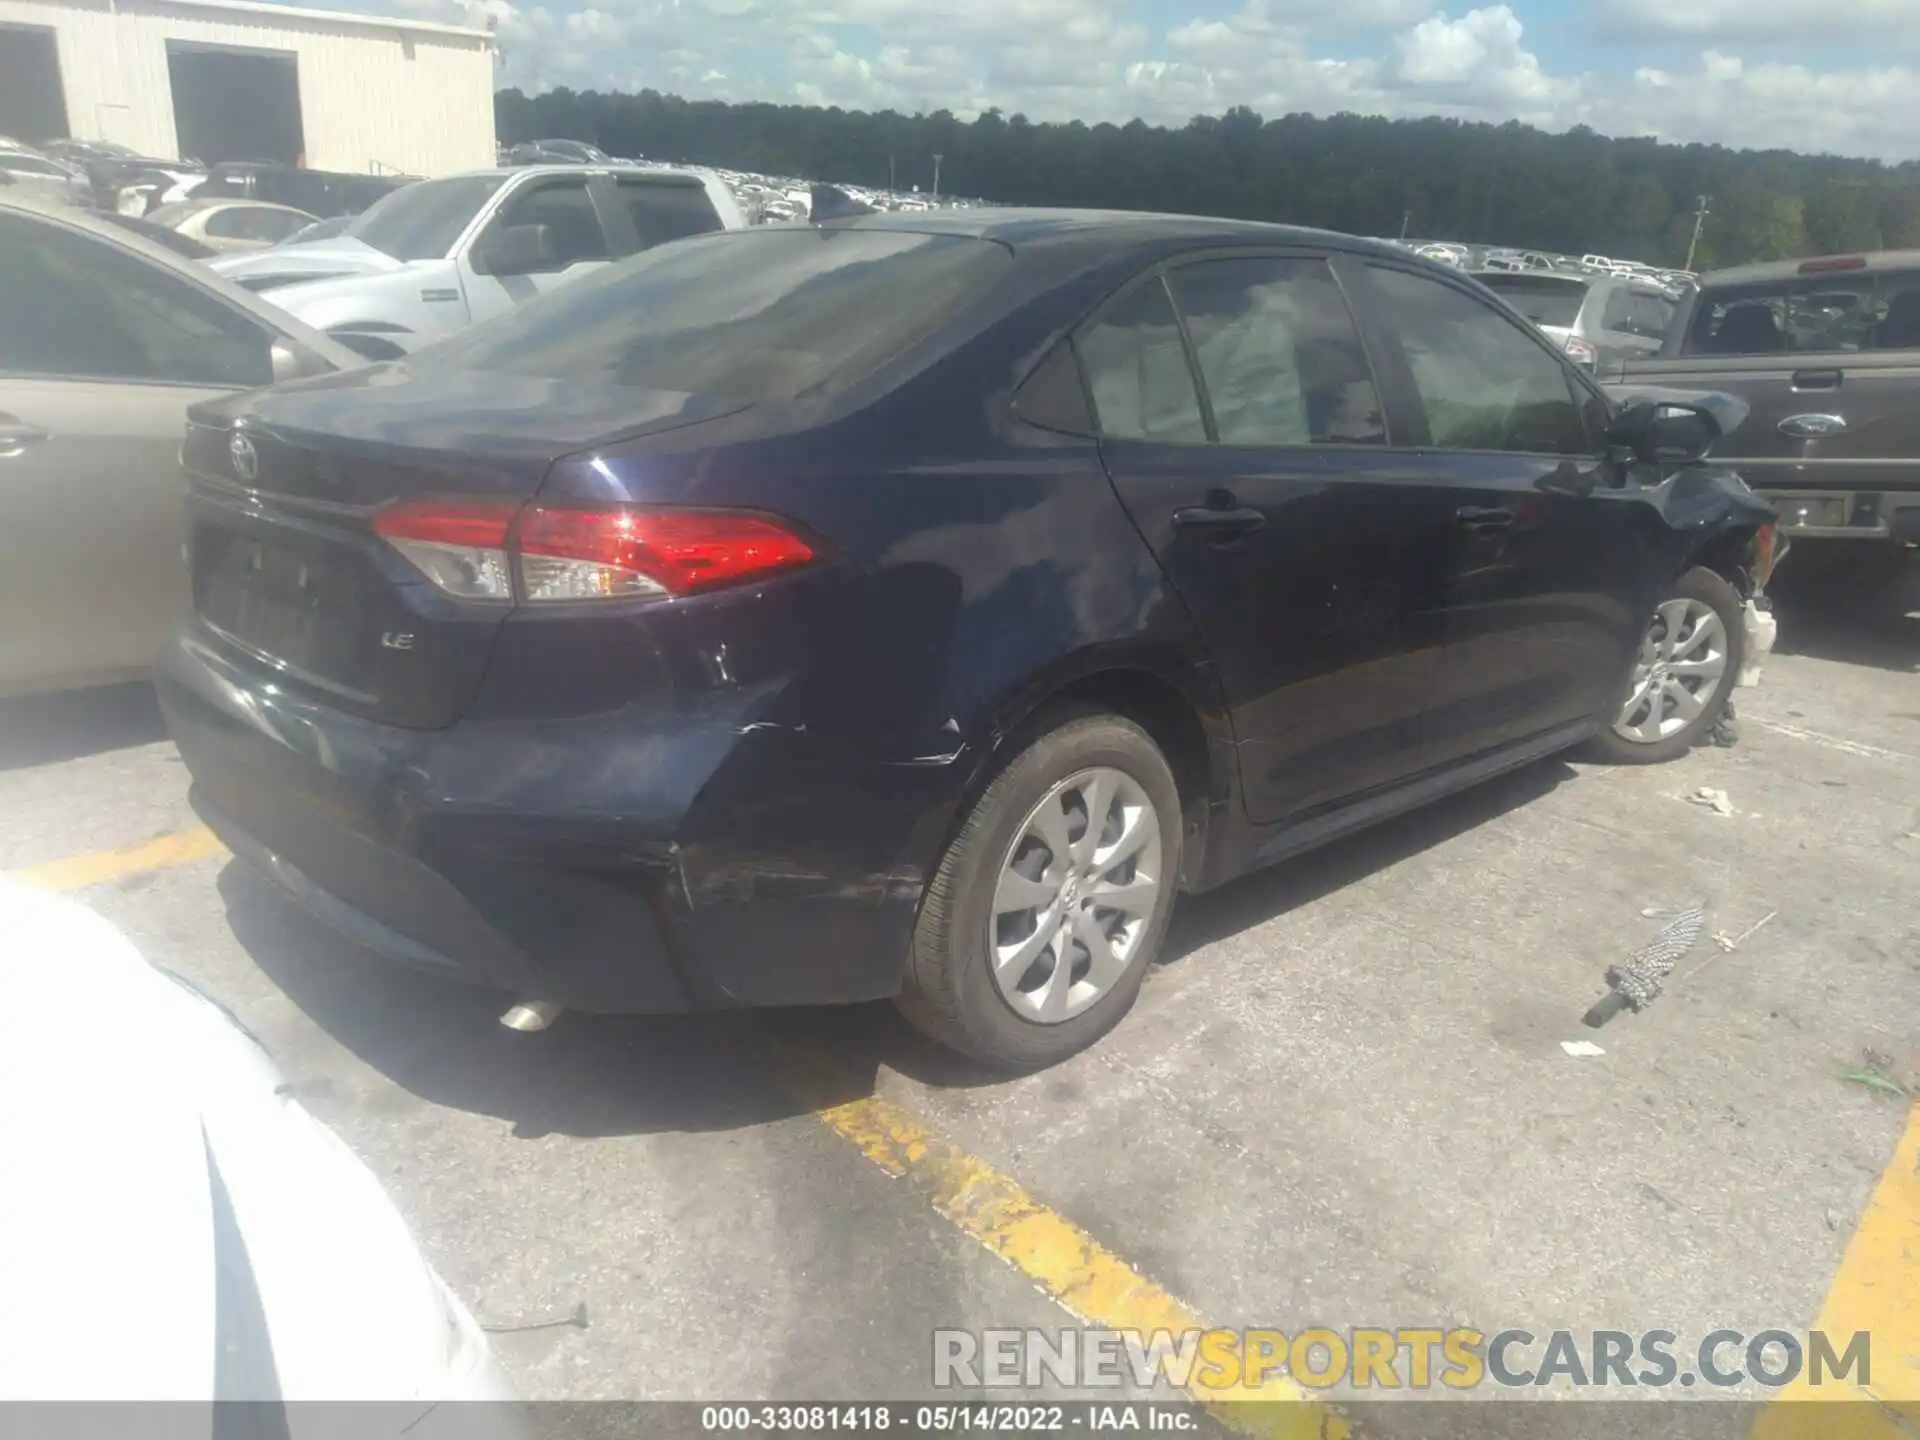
x=1581, y=1049
x=1714, y=800
x=1637, y=983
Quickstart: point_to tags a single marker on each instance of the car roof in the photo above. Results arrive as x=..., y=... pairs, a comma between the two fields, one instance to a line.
x=1108, y=228
x=193, y=272
x=597, y=168
x=1871, y=260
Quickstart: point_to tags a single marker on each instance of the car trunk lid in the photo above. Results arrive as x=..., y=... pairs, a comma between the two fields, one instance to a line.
x=285, y=487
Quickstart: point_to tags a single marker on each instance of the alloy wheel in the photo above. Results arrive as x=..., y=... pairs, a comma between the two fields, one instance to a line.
x=1075, y=895
x=1682, y=659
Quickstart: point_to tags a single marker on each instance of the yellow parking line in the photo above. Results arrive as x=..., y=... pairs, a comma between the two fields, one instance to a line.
x=98, y=867
x=1877, y=1289
x=1069, y=1265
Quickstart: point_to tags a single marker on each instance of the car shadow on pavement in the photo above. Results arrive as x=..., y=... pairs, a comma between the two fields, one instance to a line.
x=48, y=729
x=601, y=1075
x=1836, y=617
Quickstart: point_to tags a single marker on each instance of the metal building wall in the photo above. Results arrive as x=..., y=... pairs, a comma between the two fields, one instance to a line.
x=374, y=97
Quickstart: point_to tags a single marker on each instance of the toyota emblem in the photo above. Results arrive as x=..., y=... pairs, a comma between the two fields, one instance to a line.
x=246, y=460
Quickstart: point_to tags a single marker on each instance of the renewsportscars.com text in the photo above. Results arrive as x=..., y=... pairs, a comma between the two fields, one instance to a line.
x=1402, y=1359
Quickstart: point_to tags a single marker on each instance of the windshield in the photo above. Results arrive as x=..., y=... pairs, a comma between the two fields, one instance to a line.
x=1542, y=300
x=422, y=221
x=749, y=315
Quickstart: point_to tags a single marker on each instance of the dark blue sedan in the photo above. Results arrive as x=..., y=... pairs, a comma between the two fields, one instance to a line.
x=911, y=606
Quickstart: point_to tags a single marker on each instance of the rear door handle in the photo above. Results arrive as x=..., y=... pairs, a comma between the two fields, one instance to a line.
x=1812, y=427
x=1816, y=379
x=1478, y=517
x=16, y=435
x=1241, y=520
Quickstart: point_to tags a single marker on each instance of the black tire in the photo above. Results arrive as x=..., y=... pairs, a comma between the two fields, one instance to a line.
x=1712, y=590
x=949, y=992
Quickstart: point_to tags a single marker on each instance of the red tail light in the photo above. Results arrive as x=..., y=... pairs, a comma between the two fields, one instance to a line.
x=469, y=549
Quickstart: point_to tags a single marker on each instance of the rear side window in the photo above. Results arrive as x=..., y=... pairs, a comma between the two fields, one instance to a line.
x=1484, y=382
x=1819, y=314
x=72, y=306
x=1635, y=312
x=663, y=211
x=1278, y=352
x=748, y=314
x=1542, y=300
x=1137, y=370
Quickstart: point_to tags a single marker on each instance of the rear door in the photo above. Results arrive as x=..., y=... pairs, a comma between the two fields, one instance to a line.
x=1308, y=555
x=1830, y=362
x=100, y=355
x=1543, y=585
x=565, y=205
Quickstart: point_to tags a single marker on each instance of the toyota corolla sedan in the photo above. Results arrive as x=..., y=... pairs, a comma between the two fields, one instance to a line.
x=911, y=606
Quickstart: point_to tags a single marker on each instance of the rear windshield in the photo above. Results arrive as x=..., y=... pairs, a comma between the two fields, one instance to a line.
x=749, y=314
x=1808, y=313
x=421, y=221
x=1542, y=300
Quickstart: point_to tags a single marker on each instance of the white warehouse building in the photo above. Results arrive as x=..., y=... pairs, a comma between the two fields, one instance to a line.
x=217, y=80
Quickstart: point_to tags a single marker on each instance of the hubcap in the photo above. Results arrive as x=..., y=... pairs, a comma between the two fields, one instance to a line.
x=1682, y=659
x=1076, y=891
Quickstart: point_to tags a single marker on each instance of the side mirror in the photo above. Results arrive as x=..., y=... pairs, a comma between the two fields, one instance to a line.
x=517, y=250
x=293, y=361
x=1663, y=433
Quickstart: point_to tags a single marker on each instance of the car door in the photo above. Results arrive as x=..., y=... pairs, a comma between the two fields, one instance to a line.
x=565, y=205
x=1307, y=556
x=1545, y=570
x=101, y=352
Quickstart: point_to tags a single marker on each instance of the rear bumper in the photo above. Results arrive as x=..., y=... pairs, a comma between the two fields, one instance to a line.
x=1846, y=514
x=588, y=861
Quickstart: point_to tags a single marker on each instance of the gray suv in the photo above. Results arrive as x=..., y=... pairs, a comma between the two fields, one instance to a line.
x=1599, y=320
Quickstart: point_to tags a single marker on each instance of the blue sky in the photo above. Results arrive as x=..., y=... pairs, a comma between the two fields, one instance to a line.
x=1834, y=75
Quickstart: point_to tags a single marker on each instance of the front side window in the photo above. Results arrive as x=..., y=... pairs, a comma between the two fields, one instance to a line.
x=566, y=209
x=1485, y=383
x=1278, y=352
x=76, y=307
x=1137, y=371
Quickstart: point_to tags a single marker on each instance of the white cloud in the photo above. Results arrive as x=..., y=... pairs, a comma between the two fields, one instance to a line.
x=1718, y=74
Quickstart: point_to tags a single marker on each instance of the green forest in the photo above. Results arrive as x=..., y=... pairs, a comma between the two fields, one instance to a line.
x=1430, y=179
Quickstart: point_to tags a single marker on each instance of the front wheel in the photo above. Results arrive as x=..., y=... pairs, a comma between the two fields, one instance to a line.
x=1049, y=905
x=1689, y=657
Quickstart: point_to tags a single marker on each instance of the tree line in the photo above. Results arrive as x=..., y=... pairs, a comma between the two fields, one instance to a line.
x=1511, y=184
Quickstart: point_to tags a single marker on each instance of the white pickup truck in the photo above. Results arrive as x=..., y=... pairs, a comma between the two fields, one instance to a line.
x=443, y=254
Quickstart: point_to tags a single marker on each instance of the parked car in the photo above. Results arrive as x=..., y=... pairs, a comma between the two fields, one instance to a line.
x=321, y=193
x=233, y=226
x=31, y=173
x=442, y=254
x=183, y=245
x=1827, y=352
x=813, y=614
x=1597, y=320
x=168, y=1198
x=107, y=339
x=326, y=229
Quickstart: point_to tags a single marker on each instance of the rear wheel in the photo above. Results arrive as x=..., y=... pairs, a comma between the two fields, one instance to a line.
x=1689, y=658
x=1052, y=900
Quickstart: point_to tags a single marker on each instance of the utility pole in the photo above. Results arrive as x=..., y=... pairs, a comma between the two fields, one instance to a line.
x=1406, y=219
x=1699, y=223
x=936, y=174
x=892, y=182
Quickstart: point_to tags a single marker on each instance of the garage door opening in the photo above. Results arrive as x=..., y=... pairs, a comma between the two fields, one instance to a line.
x=235, y=104
x=33, y=104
